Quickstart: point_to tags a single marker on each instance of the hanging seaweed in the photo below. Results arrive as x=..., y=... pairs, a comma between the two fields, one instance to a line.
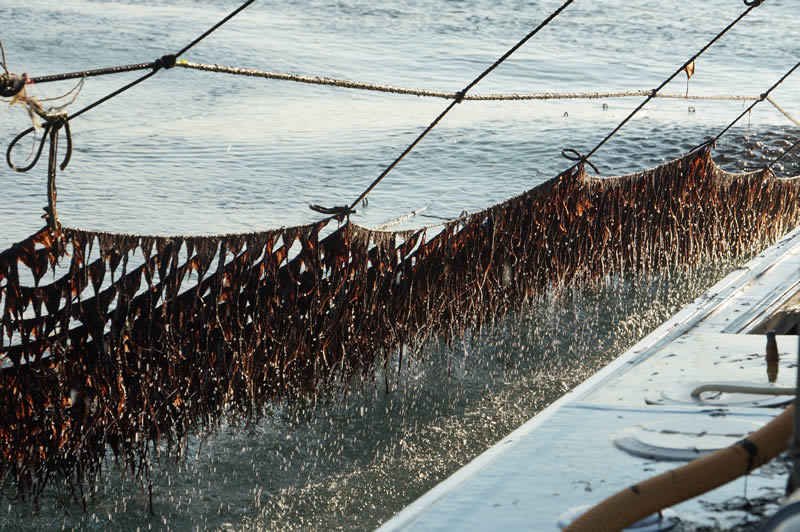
x=138, y=339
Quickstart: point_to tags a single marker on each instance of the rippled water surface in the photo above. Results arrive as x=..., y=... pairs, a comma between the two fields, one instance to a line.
x=194, y=152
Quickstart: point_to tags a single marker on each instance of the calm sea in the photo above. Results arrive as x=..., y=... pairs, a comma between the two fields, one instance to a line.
x=199, y=153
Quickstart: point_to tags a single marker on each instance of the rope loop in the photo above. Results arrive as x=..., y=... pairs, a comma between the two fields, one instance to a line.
x=753, y=3
x=575, y=155
x=56, y=122
x=165, y=62
x=332, y=211
x=12, y=84
x=703, y=145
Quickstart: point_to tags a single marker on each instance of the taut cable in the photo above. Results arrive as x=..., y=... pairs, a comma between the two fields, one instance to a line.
x=458, y=99
x=751, y=5
x=165, y=62
x=764, y=96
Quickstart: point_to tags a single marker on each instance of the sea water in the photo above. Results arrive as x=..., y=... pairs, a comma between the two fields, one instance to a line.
x=190, y=152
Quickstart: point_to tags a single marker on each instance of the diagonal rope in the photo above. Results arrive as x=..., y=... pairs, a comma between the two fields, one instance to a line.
x=91, y=73
x=137, y=66
x=784, y=154
x=752, y=4
x=457, y=100
x=783, y=111
x=763, y=97
x=167, y=61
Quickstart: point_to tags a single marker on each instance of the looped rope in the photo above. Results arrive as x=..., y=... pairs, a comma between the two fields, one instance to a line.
x=12, y=84
x=55, y=123
x=575, y=155
x=752, y=3
x=332, y=211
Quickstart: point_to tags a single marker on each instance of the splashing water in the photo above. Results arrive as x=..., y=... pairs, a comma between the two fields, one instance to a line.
x=350, y=460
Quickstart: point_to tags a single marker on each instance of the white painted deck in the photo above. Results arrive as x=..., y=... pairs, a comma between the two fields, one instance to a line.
x=566, y=457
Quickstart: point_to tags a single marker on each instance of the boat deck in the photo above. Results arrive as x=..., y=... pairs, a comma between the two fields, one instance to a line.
x=569, y=454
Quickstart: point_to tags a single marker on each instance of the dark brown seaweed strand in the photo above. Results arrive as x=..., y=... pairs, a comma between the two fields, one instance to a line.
x=141, y=338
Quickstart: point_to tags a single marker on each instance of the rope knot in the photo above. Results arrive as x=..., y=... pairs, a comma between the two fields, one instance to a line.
x=165, y=61
x=459, y=97
x=12, y=84
x=575, y=155
x=332, y=211
x=57, y=119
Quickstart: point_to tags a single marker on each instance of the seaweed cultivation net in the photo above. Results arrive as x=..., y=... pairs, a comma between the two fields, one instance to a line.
x=138, y=339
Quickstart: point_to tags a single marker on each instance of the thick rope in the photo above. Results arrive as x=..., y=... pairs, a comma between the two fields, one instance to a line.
x=11, y=84
x=783, y=111
x=92, y=73
x=447, y=95
x=458, y=99
x=794, y=121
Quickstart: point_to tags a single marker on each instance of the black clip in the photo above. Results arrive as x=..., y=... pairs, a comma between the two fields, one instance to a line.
x=332, y=211
x=56, y=123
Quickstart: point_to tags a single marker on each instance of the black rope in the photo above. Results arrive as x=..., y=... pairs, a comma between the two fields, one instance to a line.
x=456, y=100
x=751, y=5
x=47, y=128
x=214, y=27
x=575, y=155
x=749, y=108
x=165, y=62
x=93, y=73
x=332, y=211
x=782, y=155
